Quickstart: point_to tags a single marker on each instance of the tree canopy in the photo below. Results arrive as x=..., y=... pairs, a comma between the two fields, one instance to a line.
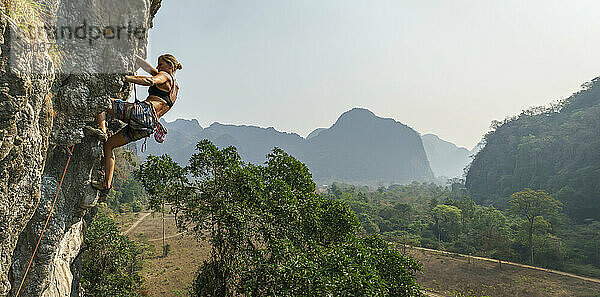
x=111, y=263
x=532, y=205
x=553, y=148
x=270, y=233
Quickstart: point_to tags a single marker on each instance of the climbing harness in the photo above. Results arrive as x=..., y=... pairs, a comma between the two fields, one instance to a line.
x=70, y=151
x=160, y=132
x=143, y=147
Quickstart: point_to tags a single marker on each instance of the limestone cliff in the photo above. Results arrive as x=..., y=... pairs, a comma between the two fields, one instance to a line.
x=47, y=96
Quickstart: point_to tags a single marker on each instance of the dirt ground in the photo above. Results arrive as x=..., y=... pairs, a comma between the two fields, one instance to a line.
x=443, y=275
x=173, y=274
x=447, y=275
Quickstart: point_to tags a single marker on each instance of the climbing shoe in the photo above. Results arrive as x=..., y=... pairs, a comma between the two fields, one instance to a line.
x=102, y=197
x=99, y=185
x=101, y=135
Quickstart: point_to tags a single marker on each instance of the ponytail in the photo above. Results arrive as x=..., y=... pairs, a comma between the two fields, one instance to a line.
x=171, y=59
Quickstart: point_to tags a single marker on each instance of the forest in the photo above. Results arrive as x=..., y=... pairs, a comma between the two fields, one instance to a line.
x=529, y=196
x=446, y=218
x=555, y=148
x=270, y=233
x=273, y=224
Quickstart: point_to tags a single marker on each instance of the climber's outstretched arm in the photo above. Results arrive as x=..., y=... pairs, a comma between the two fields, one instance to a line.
x=159, y=78
x=145, y=65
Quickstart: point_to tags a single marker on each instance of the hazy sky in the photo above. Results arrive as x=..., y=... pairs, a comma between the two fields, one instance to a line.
x=442, y=67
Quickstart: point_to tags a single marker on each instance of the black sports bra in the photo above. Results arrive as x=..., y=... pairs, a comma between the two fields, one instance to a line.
x=153, y=90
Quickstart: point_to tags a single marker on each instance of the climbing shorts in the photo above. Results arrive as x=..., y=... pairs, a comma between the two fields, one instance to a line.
x=140, y=118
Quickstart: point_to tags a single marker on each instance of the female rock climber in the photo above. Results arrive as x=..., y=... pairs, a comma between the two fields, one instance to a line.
x=141, y=117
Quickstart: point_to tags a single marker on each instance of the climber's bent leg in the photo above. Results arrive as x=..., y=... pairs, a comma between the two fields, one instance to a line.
x=100, y=132
x=111, y=109
x=101, y=121
x=101, y=117
x=114, y=141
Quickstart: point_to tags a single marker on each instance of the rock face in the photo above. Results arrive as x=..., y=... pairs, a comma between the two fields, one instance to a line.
x=25, y=124
x=47, y=96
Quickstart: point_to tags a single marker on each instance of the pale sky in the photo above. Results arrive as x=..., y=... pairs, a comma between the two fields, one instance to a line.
x=442, y=67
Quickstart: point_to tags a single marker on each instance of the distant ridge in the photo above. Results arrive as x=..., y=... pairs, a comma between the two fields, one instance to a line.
x=359, y=147
x=554, y=148
x=363, y=148
x=445, y=158
x=315, y=133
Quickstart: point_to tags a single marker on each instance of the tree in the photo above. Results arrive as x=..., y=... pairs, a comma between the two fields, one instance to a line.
x=447, y=220
x=490, y=229
x=111, y=263
x=165, y=184
x=591, y=231
x=530, y=204
x=126, y=194
x=270, y=233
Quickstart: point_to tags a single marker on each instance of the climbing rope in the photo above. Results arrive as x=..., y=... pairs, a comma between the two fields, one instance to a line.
x=47, y=219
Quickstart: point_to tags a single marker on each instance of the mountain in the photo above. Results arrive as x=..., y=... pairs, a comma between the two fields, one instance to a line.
x=315, y=133
x=554, y=148
x=445, y=158
x=189, y=126
x=366, y=149
x=251, y=142
x=255, y=142
x=180, y=142
x=359, y=148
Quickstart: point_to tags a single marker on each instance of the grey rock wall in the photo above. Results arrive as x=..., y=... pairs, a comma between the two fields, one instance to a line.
x=44, y=104
x=25, y=123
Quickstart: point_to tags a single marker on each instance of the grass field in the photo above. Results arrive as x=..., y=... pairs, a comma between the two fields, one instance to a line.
x=170, y=275
x=447, y=274
x=444, y=275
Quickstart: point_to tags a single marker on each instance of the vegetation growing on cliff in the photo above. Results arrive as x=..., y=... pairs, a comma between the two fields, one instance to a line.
x=553, y=148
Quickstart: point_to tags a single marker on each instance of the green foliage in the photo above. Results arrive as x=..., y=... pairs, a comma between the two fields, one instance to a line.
x=111, y=263
x=491, y=232
x=444, y=218
x=161, y=177
x=533, y=206
x=270, y=233
x=447, y=220
x=530, y=204
x=127, y=196
x=552, y=148
x=356, y=267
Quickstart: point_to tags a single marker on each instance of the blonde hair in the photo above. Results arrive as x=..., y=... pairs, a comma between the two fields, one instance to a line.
x=171, y=59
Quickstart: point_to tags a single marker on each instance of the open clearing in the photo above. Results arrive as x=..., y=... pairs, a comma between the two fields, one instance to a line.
x=171, y=275
x=443, y=274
